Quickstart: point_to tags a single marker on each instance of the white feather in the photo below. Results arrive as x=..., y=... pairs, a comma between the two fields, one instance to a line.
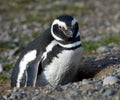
x=30, y=56
x=60, y=23
x=55, y=71
x=49, y=48
x=71, y=45
x=78, y=34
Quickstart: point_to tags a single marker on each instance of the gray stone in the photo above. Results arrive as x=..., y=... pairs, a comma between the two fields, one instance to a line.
x=2, y=8
x=48, y=98
x=73, y=93
x=1, y=18
x=103, y=49
x=35, y=98
x=1, y=68
x=109, y=80
x=97, y=88
x=5, y=37
x=16, y=95
x=86, y=81
x=109, y=92
x=116, y=48
x=12, y=52
x=93, y=38
x=100, y=65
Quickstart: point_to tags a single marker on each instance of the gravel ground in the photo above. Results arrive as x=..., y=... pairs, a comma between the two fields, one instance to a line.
x=98, y=77
x=103, y=83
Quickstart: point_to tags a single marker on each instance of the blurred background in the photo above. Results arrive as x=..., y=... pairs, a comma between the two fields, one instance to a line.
x=23, y=20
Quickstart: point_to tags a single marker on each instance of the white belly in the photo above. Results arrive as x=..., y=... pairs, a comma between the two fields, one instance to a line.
x=62, y=69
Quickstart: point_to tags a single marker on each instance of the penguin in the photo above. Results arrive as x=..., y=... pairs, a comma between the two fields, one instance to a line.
x=52, y=58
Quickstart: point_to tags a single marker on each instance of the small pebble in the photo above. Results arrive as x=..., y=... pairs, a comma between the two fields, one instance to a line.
x=86, y=81
x=103, y=49
x=73, y=93
x=97, y=88
x=58, y=88
x=93, y=38
x=1, y=68
x=100, y=65
x=109, y=92
x=12, y=52
x=109, y=80
x=48, y=98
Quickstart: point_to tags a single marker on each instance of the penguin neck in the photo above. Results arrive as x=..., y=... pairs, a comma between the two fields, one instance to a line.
x=70, y=44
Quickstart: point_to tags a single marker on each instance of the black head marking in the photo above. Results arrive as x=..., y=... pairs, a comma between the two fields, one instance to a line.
x=66, y=18
x=64, y=28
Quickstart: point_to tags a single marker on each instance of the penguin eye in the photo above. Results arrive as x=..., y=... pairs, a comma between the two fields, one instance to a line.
x=60, y=27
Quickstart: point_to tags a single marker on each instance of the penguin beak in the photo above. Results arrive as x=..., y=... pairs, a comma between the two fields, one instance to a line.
x=68, y=32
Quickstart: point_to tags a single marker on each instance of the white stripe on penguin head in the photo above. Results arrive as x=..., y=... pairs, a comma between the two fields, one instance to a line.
x=74, y=21
x=60, y=23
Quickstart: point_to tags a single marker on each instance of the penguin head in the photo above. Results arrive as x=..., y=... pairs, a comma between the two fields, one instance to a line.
x=64, y=28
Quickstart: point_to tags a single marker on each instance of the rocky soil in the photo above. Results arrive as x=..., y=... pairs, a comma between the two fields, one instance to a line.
x=98, y=77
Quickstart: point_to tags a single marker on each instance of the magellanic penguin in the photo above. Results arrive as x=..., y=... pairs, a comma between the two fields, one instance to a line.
x=52, y=58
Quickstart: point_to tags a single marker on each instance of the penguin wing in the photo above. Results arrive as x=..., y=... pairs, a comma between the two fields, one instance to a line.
x=25, y=72
x=29, y=66
x=32, y=72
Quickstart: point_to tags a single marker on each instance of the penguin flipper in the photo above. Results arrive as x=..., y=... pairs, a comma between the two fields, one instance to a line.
x=29, y=76
x=32, y=73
